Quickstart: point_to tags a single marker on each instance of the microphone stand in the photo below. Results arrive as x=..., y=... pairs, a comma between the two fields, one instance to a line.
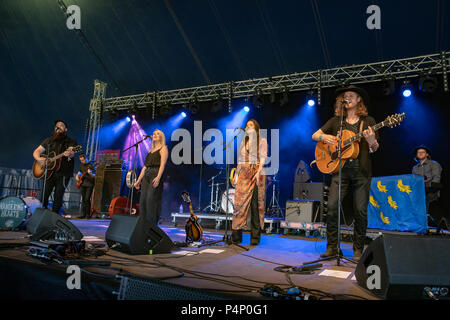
x=45, y=175
x=338, y=256
x=136, y=145
x=226, y=237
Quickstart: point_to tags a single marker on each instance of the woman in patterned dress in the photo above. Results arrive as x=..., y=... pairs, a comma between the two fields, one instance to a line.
x=251, y=184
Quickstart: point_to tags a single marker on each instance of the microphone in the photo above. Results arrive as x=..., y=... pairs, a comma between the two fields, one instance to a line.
x=345, y=101
x=147, y=136
x=239, y=129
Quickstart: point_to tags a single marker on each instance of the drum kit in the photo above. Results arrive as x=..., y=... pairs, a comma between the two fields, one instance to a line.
x=16, y=211
x=218, y=204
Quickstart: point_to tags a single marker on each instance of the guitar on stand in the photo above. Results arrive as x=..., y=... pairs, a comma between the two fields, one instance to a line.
x=52, y=163
x=194, y=231
x=326, y=155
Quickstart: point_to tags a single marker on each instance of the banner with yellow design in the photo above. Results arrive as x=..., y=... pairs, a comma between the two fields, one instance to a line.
x=397, y=203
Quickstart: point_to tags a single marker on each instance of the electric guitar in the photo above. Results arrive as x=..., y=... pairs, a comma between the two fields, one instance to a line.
x=194, y=231
x=53, y=163
x=327, y=154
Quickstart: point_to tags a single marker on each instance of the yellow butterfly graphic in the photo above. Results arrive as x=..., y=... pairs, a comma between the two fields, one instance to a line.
x=384, y=219
x=403, y=187
x=374, y=202
x=392, y=203
x=380, y=187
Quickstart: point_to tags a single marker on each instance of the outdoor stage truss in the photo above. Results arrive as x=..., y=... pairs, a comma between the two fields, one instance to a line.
x=95, y=119
x=314, y=81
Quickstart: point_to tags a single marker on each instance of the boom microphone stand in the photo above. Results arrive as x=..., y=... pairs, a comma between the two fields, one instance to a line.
x=226, y=237
x=338, y=256
x=136, y=145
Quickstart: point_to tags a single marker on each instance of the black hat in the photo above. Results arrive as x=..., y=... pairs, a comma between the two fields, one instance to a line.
x=56, y=121
x=422, y=146
x=362, y=93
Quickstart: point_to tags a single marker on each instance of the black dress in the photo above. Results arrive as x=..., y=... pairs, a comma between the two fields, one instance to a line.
x=150, y=201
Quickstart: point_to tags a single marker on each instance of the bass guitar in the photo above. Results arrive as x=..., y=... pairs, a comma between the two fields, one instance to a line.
x=194, y=231
x=53, y=163
x=327, y=154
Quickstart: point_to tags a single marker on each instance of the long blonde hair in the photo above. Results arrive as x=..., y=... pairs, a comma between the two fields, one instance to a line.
x=163, y=137
x=361, y=109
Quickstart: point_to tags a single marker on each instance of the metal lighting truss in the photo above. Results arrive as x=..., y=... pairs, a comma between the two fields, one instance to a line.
x=312, y=80
x=95, y=119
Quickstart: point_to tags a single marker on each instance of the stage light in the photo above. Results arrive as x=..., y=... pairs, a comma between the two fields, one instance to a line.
x=183, y=114
x=311, y=102
x=388, y=87
x=284, y=97
x=165, y=109
x=217, y=104
x=258, y=98
x=246, y=109
x=128, y=119
x=427, y=84
x=407, y=93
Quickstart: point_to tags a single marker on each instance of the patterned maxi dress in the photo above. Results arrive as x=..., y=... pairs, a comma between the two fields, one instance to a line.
x=246, y=170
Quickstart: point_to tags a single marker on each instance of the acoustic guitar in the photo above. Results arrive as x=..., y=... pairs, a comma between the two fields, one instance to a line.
x=194, y=231
x=327, y=154
x=80, y=180
x=53, y=164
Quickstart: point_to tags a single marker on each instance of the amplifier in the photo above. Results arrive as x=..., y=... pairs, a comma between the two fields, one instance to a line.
x=302, y=211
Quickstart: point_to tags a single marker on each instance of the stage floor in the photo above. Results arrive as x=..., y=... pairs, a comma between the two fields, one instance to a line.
x=221, y=267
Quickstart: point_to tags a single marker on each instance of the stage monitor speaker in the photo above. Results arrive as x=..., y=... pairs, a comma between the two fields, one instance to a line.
x=133, y=235
x=302, y=211
x=409, y=267
x=44, y=224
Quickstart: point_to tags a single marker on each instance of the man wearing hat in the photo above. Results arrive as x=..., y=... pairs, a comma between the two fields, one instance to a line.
x=350, y=102
x=431, y=170
x=59, y=143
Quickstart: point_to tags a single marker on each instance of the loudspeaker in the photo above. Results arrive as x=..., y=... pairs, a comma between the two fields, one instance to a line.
x=135, y=235
x=107, y=186
x=407, y=266
x=301, y=211
x=44, y=223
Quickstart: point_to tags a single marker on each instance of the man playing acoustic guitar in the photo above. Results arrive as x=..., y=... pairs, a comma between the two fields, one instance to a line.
x=356, y=173
x=85, y=181
x=58, y=143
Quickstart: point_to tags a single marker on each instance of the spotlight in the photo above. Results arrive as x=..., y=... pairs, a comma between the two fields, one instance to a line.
x=217, y=104
x=406, y=89
x=246, y=109
x=258, y=98
x=388, y=87
x=183, y=114
x=128, y=118
x=284, y=96
x=165, y=109
x=427, y=84
x=193, y=106
x=407, y=93
x=311, y=99
x=311, y=102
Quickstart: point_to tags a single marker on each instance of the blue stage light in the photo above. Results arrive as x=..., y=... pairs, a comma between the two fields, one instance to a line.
x=311, y=102
x=183, y=114
x=246, y=109
x=407, y=93
x=128, y=119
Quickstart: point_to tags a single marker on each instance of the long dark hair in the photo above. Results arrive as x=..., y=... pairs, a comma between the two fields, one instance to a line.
x=257, y=128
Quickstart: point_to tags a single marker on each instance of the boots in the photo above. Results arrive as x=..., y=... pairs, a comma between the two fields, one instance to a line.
x=331, y=251
x=255, y=237
x=236, y=236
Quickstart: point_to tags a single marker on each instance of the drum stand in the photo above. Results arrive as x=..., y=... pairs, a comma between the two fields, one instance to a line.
x=274, y=205
x=213, y=205
x=226, y=238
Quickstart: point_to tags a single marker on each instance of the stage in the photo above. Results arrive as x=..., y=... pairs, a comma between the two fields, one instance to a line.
x=219, y=271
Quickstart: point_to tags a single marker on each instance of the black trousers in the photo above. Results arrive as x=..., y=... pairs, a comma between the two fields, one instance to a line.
x=57, y=182
x=254, y=215
x=151, y=198
x=86, y=193
x=352, y=179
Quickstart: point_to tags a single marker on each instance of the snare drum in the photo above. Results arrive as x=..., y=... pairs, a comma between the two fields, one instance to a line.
x=223, y=202
x=14, y=211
